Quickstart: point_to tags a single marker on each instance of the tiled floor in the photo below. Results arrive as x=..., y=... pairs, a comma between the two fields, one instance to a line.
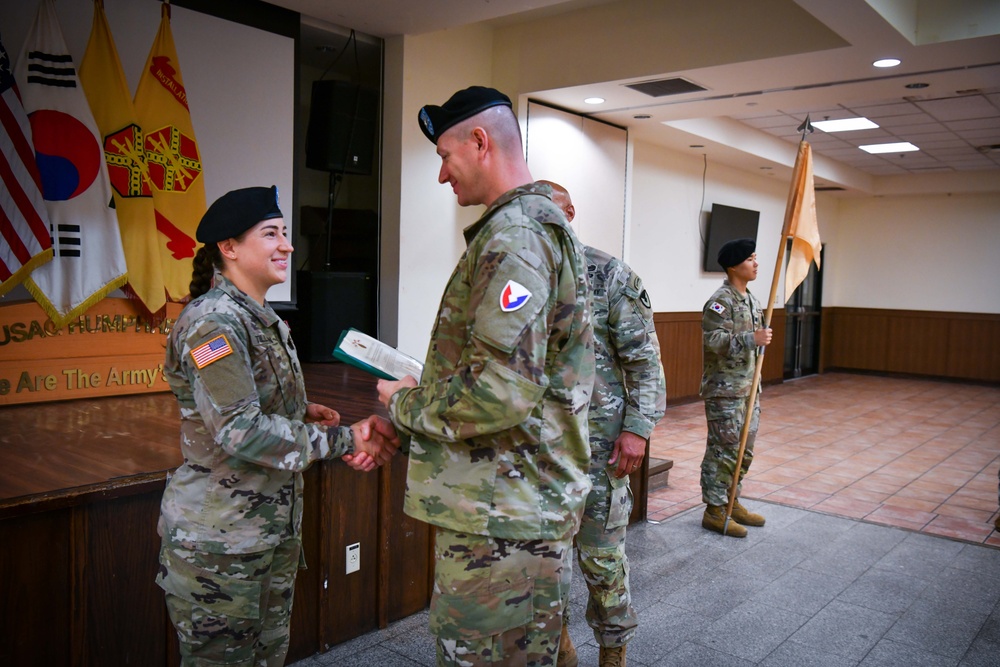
x=911, y=453
x=807, y=590
x=880, y=495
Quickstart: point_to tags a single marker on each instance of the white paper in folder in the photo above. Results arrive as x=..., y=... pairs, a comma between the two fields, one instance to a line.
x=372, y=355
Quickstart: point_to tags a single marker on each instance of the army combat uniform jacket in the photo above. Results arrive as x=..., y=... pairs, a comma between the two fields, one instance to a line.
x=498, y=424
x=728, y=322
x=630, y=389
x=233, y=367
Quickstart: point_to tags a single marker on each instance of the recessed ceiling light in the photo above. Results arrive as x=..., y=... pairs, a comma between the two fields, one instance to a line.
x=886, y=62
x=594, y=100
x=900, y=147
x=917, y=86
x=844, y=124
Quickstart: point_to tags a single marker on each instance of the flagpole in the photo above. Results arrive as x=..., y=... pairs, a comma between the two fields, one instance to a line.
x=805, y=128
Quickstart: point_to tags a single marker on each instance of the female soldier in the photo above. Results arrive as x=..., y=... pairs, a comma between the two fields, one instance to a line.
x=231, y=514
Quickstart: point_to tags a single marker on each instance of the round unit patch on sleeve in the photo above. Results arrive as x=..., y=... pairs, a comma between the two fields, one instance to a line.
x=513, y=296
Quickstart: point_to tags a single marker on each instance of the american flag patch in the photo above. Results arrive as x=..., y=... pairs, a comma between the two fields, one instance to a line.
x=211, y=351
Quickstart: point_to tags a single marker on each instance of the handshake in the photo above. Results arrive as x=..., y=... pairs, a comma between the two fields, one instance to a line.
x=375, y=438
x=375, y=441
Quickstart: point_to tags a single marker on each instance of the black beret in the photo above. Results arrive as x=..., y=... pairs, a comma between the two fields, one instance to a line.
x=237, y=211
x=435, y=120
x=736, y=251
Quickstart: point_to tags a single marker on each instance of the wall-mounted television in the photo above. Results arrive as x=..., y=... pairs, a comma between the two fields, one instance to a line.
x=725, y=224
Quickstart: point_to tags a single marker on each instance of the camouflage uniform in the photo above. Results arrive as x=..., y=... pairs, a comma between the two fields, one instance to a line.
x=497, y=432
x=728, y=322
x=629, y=395
x=231, y=514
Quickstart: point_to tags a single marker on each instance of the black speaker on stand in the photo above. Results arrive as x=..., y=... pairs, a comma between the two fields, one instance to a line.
x=340, y=140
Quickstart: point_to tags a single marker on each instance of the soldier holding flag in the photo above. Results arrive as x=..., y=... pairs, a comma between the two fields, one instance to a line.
x=733, y=330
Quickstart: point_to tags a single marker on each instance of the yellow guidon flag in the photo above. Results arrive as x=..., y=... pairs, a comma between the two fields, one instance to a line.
x=172, y=157
x=124, y=153
x=803, y=226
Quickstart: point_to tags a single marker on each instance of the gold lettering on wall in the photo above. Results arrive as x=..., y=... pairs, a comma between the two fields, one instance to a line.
x=109, y=350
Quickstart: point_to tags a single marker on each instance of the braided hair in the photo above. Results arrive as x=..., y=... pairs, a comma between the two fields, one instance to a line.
x=205, y=262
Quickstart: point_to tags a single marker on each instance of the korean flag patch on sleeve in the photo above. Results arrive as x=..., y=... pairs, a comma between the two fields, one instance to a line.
x=513, y=296
x=718, y=307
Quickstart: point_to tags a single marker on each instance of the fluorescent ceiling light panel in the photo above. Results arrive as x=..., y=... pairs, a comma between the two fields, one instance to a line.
x=900, y=147
x=844, y=124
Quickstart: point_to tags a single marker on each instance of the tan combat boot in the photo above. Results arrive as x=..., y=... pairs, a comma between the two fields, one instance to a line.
x=745, y=517
x=715, y=518
x=613, y=656
x=567, y=652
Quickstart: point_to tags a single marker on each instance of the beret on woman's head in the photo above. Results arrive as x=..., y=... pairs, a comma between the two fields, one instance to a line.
x=237, y=211
x=736, y=252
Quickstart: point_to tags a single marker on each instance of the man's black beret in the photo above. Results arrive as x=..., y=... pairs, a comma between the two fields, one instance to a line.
x=736, y=252
x=435, y=120
x=237, y=211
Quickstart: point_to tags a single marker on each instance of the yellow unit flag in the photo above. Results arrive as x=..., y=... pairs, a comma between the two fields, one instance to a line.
x=172, y=157
x=124, y=152
x=804, y=227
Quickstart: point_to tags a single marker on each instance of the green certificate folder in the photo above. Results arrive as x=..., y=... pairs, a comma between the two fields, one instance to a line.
x=373, y=356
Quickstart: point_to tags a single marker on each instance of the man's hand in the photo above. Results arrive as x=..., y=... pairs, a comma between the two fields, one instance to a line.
x=628, y=452
x=374, y=438
x=762, y=337
x=386, y=388
x=320, y=414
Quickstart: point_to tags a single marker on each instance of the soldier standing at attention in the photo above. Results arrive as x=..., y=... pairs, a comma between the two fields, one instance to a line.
x=497, y=427
x=231, y=514
x=732, y=330
x=630, y=396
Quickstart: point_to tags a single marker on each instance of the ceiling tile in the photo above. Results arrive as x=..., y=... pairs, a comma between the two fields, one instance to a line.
x=958, y=108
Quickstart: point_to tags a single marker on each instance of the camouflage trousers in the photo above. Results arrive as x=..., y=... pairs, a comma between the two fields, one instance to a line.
x=497, y=601
x=230, y=609
x=725, y=423
x=600, y=546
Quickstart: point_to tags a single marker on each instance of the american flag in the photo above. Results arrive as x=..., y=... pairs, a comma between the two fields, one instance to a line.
x=25, y=242
x=211, y=351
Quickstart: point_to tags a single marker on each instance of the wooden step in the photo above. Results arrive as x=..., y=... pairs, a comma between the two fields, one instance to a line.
x=659, y=471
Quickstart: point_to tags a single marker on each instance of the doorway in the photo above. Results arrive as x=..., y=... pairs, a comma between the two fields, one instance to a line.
x=802, y=324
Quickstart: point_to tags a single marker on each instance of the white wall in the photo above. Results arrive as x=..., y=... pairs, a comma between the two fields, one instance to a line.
x=588, y=158
x=434, y=66
x=672, y=194
x=937, y=253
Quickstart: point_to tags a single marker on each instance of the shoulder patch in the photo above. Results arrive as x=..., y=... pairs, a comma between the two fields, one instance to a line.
x=513, y=296
x=212, y=351
x=644, y=299
x=718, y=307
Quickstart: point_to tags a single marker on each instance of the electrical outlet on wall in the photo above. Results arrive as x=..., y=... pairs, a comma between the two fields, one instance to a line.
x=353, y=557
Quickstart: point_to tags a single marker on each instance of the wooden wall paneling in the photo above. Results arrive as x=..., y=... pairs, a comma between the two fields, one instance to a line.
x=680, y=350
x=774, y=355
x=860, y=340
x=349, y=602
x=407, y=554
x=304, y=640
x=974, y=348
x=35, y=602
x=122, y=606
x=917, y=344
